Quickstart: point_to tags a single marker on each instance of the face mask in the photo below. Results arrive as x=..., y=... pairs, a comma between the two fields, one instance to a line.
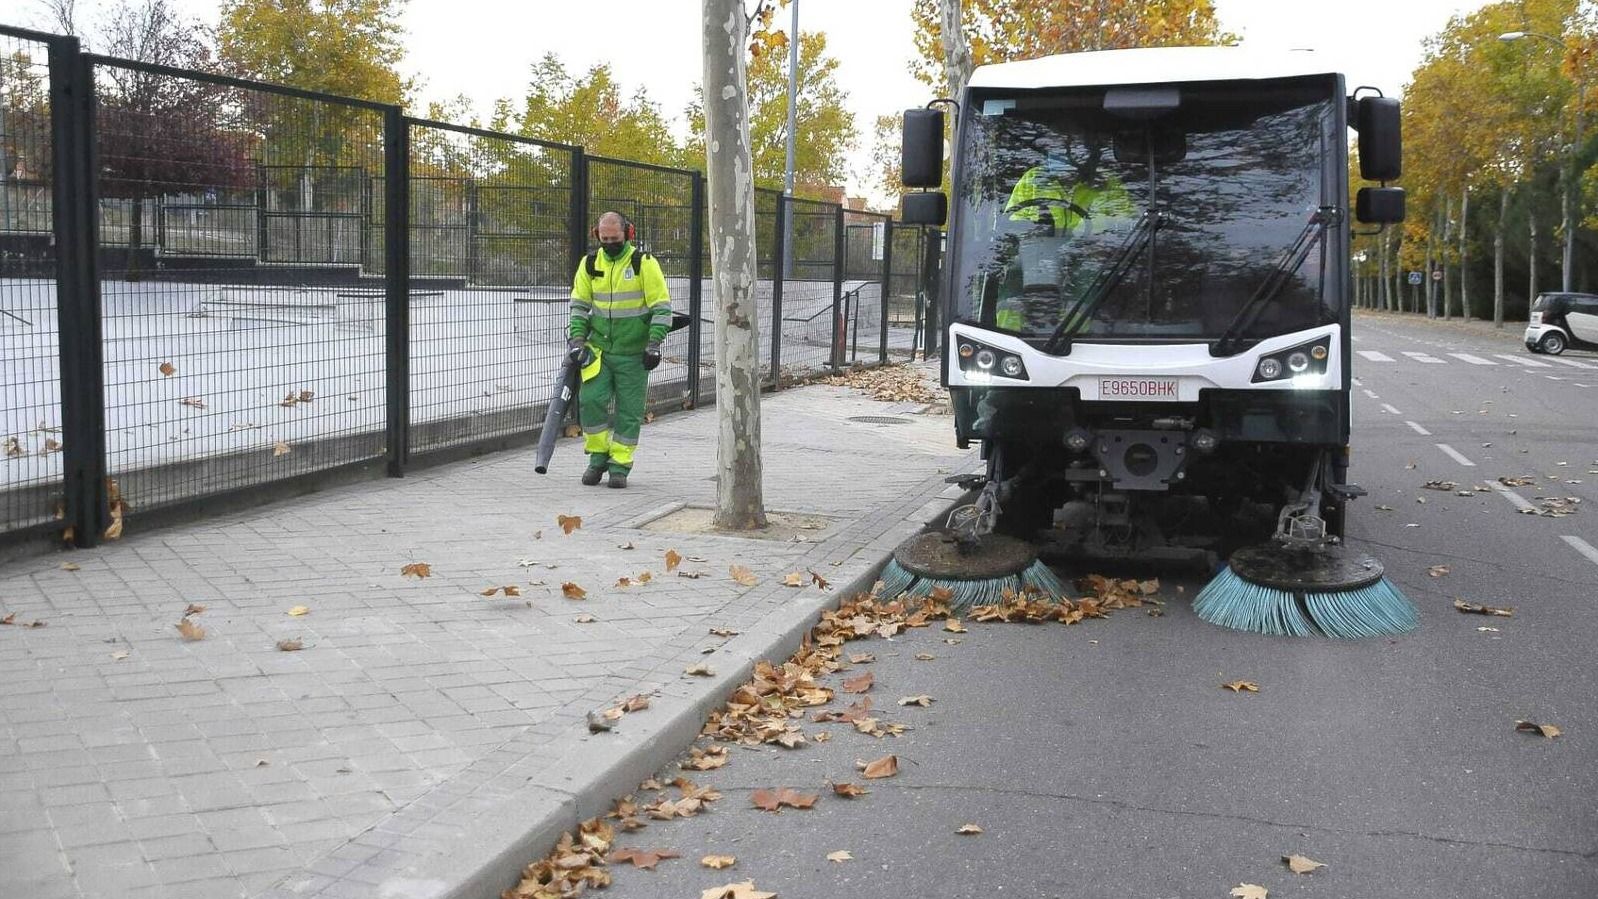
x=612, y=249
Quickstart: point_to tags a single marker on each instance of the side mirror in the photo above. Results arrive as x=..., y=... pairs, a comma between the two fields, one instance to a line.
x=921, y=154
x=1381, y=143
x=1379, y=205
x=926, y=208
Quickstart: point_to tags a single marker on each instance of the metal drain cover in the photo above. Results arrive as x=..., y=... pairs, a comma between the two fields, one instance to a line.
x=879, y=420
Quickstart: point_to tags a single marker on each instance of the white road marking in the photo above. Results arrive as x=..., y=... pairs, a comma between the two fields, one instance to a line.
x=1422, y=357
x=1418, y=429
x=1571, y=362
x=1370, y=393
x=1376, y=356
x=1523, y=360
x=1455, y=455
x=1555, y=378
x=1387, y=407
x=1519, y=501
x=1583, y=547
x=1358, y=383
x=1473, y=360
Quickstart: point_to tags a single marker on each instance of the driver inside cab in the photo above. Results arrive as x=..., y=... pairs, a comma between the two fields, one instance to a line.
x=1062, y=200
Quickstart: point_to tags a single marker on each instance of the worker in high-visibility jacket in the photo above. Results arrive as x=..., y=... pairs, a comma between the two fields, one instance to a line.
x=1067, y=204
x=620, y=313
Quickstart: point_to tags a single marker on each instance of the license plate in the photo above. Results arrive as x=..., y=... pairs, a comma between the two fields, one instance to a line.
x=1138, y=388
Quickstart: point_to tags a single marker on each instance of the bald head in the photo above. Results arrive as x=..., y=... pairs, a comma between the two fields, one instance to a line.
x=611, y=227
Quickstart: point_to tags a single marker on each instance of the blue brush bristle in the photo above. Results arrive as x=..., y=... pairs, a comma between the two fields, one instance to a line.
x=1038, y=577
x=1378, y=610
x=896, y=579
x=1232, y=602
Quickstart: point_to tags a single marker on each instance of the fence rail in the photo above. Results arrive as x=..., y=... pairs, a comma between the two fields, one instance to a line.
x=209, y=285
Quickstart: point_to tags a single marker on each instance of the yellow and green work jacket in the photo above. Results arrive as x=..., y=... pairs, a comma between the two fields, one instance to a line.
x=617, y=306
x=1106, y=204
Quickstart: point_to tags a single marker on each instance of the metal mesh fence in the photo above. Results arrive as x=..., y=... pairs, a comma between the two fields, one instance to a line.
x=30, y=406
x=203, y=299
x=224, y=371
x=490, y=225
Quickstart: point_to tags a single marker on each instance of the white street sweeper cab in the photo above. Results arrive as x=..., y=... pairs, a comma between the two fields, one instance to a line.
x=1146, y=291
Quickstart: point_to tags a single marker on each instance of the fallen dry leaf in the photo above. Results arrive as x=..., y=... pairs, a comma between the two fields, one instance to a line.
x=624, y=582
x=417, y=570
x=569, y=523
x=859, y=684
x=922, y=700
x=1249, y=891
x=861, y=658
x=969, y=830
x=168, y=369
x=508, y=590
x=290, y=645
x=723, y=632
x=743, y=575
x=642, y=859
x=281, y=449
x=192, y=402
x=672, y=561
x=887, y=766
x=742, y=890
x=298, y=611
x=190, y=630
x=819, y=581
x=702, y=669
x=774, y=800
x=954, y=626
x=585, y=618
x=849, y=790
x=572, y=591
x=842, y=855
x=1528, y=727
x=1437, y=570
x=627, y=545
x=71, y=566
x=691, y=575
x=119, y=655
x=1241, y=686
x=925, y=657
x=718, y=861
x=1471, y=608
x=1300, y=864
x=793, y=579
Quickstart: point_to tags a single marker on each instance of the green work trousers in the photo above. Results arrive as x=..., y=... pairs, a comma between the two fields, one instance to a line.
x=624, y=381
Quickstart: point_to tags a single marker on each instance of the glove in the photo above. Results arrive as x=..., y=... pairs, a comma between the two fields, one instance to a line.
x=577, y=351
x=651, y=356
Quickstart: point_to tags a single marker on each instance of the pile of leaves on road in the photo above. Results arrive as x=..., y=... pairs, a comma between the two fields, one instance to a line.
x=770, y=706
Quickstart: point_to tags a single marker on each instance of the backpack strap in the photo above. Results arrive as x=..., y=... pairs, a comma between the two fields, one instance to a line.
x=591, y=261
x=638, y=262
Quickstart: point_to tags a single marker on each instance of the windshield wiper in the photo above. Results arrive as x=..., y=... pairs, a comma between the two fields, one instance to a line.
x=1059, y=343
x=1279, y=278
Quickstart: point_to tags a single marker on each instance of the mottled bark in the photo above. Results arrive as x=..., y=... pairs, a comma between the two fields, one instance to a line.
x=1464, y=253
x=1531, y=258
x=957, y=63
x=1498, y=258
x=740, y=504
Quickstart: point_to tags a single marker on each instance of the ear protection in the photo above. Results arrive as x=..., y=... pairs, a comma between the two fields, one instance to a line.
x=627, y=230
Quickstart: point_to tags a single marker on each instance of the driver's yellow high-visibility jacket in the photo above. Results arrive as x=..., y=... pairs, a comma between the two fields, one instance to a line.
x=1103, y=203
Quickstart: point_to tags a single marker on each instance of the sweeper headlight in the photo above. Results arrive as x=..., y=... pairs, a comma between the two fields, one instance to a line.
x=986, y=361
x=1305, y=359
x=1077, y=440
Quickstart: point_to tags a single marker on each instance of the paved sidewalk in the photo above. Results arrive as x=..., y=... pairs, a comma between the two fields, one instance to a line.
x=410, y=731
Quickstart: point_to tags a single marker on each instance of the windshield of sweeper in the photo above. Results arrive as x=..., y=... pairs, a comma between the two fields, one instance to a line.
x=1150, y=214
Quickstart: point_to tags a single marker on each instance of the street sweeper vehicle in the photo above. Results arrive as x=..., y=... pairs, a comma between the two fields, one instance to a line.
x=1146, y=291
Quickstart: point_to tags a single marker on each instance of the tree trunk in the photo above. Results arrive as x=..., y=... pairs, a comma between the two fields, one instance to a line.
x=1498, y=257
x=956, y=53
x=1464, y=253
x=739, y=501
x=1384, y=300
x=1426, y=275
x=1448, y=245
x=1531, y=258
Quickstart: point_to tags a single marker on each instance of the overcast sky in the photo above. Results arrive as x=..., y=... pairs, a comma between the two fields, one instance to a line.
x=483, y=48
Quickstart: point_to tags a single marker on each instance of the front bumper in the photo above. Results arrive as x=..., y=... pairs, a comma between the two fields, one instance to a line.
x=1534, y=334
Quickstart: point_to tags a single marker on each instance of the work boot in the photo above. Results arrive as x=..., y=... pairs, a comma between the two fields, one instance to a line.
x=618, y=479
x=591, y=477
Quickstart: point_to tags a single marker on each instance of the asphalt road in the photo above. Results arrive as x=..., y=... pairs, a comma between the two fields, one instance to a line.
x=1105, y=759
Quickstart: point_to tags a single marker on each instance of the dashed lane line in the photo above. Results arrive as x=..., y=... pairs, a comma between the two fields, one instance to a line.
x=1418, y=429
x=1377, y=356
x=1370, y=393
x=1583, y=547
x=1456, y=455
x=1473, y=360
x=1423, y=357
x=1388, y=408
x=1519, y=502
x=1571, y=362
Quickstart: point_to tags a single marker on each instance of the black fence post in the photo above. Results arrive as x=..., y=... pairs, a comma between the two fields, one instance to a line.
x=696, y=277
x=579, y=207
x=929, y=278
x=397, y=284
x=779, y=265
x=262, y=198
x=73, y=189
x=887, y=286
x=471, y=232
x=840, y=249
